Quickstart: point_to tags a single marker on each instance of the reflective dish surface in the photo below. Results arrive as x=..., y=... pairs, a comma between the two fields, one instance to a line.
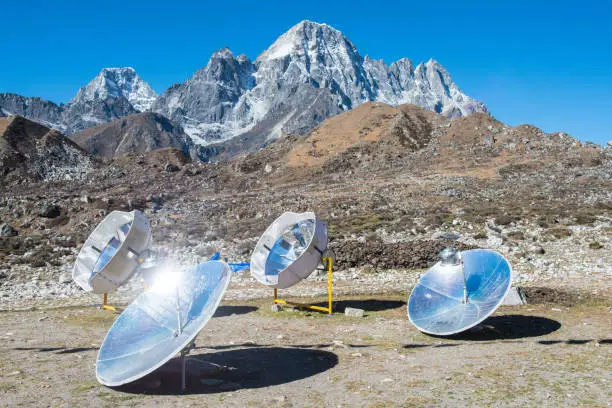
x=436, y=305
x=161, y=322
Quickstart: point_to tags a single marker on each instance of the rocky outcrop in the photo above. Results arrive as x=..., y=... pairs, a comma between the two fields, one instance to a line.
x=32, y=151
x=139, y=133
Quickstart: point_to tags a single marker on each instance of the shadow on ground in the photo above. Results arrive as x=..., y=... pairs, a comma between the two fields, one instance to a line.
x=574, y=342
x=56, y=350
x=509, y=327
x=223, y=311
x=368, y=305
x=231, y=370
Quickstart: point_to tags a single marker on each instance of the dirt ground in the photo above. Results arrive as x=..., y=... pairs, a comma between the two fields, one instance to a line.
x=545, y=354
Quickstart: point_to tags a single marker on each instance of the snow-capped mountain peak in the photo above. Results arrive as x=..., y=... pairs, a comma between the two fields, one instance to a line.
x=307, y=38
x=117, y=83
x=309, y=73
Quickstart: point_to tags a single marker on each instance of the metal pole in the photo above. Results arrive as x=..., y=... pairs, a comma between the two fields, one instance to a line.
x=183, y=374
x=178, y=312
x=465, y=295
x=329, y=283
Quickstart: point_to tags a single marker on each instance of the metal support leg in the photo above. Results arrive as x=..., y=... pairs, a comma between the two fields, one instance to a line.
x=106, y=306
x=184, y=371
x=329, y=284
x=329, y=308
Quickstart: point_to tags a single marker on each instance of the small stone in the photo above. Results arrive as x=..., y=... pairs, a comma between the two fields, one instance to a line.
x=339, y=343
x=164, y=220
x=276, y=308
x=268, y=168
x=14, y=373
x=171, y=168
x=447, y=235
x=280, y=337
x=353, y=312
x=65, y=278
x=49, y=211
x=7, y=231
x=356, y=355
x=536, y=249
x=280, y=399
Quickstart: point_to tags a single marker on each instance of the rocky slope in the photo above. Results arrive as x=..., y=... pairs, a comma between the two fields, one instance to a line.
x=138, y=133
x=29, y=151
x=310, y=73
x=394, y=184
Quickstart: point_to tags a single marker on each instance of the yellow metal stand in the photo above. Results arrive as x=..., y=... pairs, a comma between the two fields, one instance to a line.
x=106, y=306
x=327, y=309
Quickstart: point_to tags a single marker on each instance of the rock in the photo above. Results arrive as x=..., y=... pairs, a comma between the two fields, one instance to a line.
x=448, y=235
x=276, y=308
x=536, y=249
x=268, y=168
x=592, y=245
x=49, y=211
x=191, y=170
x=171, y=168
x=165, y=220
x=65, y=278
x=339, y=343
x=353, y=312
x=280, y=399
x=7, y=231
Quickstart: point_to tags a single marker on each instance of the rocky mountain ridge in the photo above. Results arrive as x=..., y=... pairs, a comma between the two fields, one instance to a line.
x=308, y=74
x=114, y=93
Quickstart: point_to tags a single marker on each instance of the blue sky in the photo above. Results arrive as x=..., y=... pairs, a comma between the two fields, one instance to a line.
x=547, y=63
